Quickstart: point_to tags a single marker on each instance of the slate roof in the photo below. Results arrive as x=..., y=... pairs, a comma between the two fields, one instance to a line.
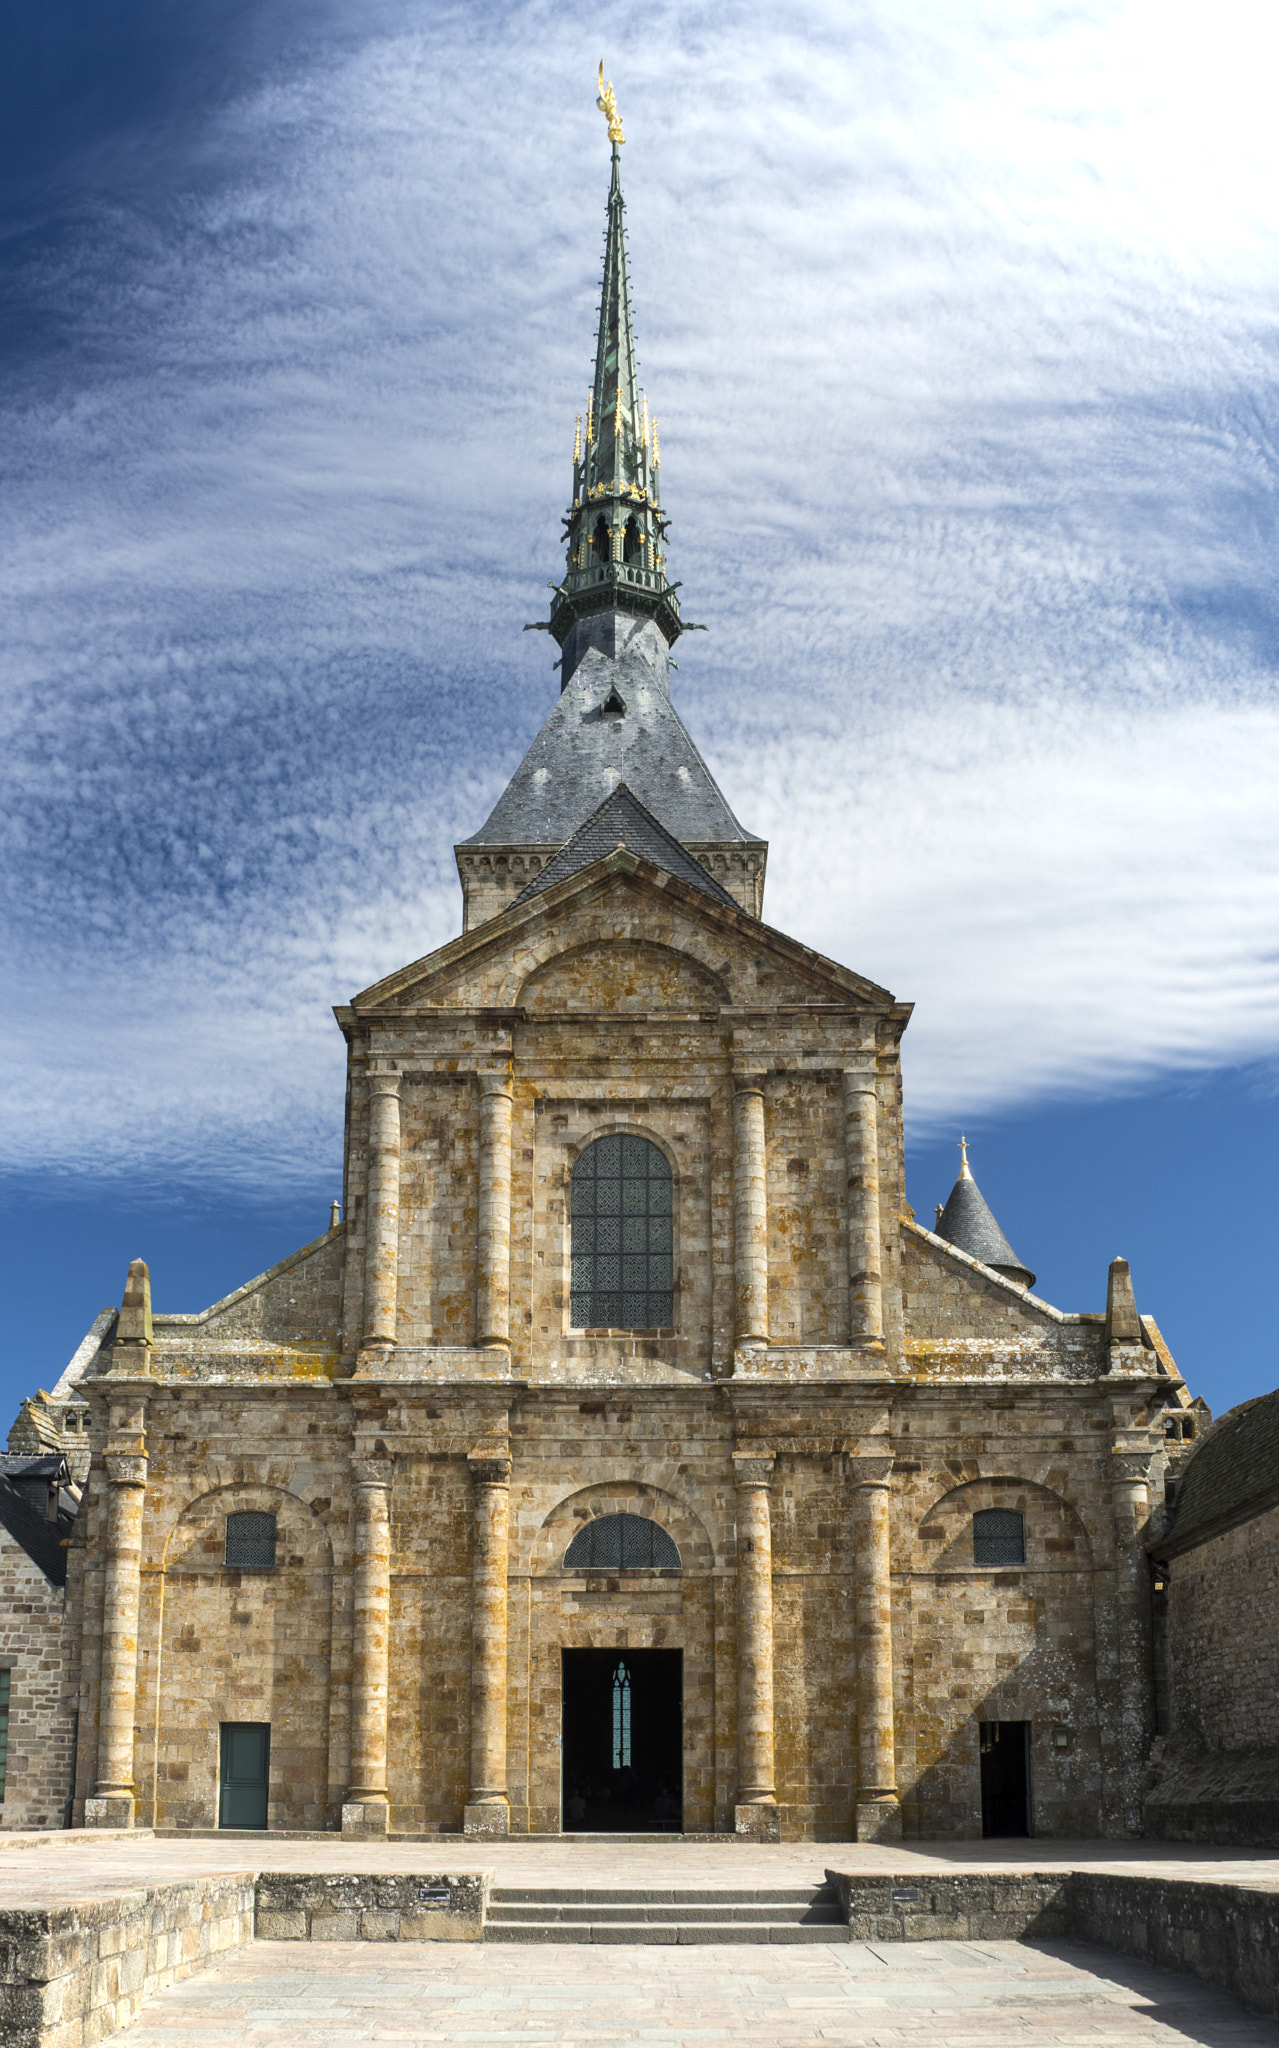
x=42, y=1540
x=582, y=753
x=967, y=1222
x=621, y=820
x=1233, y=1474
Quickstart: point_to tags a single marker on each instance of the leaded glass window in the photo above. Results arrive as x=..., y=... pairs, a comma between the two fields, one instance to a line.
x=250, y=1539
x=621, y=1237
x=999, y=1537
x=621, y=1719
x=616, y=1543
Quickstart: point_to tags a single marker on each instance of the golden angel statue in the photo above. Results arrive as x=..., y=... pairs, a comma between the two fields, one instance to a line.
x=607, y=104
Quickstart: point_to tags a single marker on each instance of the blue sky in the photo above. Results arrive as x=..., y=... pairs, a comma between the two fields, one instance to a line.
x=959, y=321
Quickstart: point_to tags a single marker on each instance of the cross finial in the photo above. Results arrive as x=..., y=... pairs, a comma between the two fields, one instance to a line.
x=964, y=1174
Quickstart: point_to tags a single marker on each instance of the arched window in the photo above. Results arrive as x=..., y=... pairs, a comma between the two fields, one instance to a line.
x=617, y=1543
x=621, y=1237
x=999, y=1537
x=250, y=1539
x=600, y=540
x=631, y=541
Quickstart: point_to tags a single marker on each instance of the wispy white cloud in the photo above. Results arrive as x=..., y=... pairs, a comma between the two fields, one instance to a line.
x=958, y=321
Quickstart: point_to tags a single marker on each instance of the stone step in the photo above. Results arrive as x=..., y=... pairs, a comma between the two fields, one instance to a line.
x=602, y=1915
x=664, y=1895
x=682, y=1933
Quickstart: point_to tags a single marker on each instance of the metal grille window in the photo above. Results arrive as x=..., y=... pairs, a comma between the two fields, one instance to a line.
x=4, y=1727
x=250, y=1539
x=621, y=1237
x=622, y=1543
x=999, y=1537
x=621, y=1719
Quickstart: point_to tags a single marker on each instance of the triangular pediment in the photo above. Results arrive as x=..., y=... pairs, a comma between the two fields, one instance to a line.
x=725, y=957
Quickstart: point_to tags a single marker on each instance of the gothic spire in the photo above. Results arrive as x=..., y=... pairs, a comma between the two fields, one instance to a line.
x=614, y=528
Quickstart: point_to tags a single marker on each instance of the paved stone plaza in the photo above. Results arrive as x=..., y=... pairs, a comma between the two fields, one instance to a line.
x=948, y=1994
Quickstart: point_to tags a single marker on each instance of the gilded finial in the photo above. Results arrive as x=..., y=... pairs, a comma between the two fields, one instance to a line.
x=607, y=104
x=657, y=446
x=964, y=1174
x=590, y=421
x=577, y=441
x=644, y=419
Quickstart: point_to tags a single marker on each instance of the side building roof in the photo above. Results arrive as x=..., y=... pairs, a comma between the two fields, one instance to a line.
x=1232, y=1475
x=43, y=1541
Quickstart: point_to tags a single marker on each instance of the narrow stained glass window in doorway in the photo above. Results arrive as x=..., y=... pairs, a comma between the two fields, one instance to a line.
x=621, y=1719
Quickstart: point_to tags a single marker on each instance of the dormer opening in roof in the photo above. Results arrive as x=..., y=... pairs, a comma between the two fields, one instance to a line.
x=615, y=527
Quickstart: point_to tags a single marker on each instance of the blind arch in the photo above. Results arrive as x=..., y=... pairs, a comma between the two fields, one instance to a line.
x=622, y=1244
x=622, y=1543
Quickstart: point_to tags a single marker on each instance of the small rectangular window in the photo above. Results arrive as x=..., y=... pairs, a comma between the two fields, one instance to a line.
x=4, y=1727
x=999, y=1537
x=250, y=1540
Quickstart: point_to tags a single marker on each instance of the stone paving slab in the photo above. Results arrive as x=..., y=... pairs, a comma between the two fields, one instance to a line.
x=64, y=1868
x=927, y=1995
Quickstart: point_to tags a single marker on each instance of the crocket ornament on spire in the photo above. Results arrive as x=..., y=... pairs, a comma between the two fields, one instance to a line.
x=607, y=104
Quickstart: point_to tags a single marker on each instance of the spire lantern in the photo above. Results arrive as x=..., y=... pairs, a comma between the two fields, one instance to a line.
x=615, y=528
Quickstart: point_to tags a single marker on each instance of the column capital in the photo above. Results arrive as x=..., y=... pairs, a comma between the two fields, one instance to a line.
x=500, y=1082
x=753, y=1468
x=126, y=1468
x=384, y=1082
x=749, y=1080
x=373, y=1472
x=870, y=1468
x=1129, y=1467
x=490, y=1465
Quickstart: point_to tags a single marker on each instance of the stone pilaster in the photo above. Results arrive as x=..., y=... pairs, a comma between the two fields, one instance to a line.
x=756, y=1810
x=750, y=1211
x=113, y=1804
x=382, y=1233
x=493, y=1289
x=488, y=1809
x=1130, y=1494
x=861, y=1163
x=877, y=1808
x=366, y=1809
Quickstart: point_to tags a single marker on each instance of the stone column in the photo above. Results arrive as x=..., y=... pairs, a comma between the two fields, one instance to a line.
x=877, y=1809
x=1130, y=1493
x=756, y=1810
x=112, y=1805
x=382, y=1232
x=493, y=1289
x=366, y=1809
x=750, y=1211
x=487, y=1808
x=861, y=1165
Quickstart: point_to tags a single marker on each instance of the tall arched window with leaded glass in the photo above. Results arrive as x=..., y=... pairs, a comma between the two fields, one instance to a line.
x=622, y=1245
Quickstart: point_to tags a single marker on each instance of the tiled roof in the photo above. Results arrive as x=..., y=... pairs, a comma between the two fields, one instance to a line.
x=1234, y=1470
x=621, y=820
x=583, y=752
x=42, y=1540
x=967, y=1223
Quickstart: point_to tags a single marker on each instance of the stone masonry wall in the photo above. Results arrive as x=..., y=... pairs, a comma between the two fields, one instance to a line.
x=41, y=1705
x=1224, y=1666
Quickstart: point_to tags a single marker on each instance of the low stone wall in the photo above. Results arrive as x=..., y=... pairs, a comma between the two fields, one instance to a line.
x=71, y=1975
x=1226, y=1933
x=311, y=1907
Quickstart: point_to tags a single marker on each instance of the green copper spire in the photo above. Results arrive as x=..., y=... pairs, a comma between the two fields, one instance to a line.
x=614, y=527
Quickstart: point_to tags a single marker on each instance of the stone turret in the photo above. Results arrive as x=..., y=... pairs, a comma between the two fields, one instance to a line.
x=967, y=1223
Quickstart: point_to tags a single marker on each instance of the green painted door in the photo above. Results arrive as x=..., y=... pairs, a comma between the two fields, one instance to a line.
x=246, y=1758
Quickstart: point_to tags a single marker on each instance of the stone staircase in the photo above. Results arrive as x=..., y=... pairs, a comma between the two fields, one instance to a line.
x=790, y=1913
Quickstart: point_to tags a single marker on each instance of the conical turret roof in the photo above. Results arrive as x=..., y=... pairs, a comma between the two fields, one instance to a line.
x=968, y=1224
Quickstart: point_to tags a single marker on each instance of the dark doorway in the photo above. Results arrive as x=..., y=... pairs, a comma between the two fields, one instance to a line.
x=246, y=1762
x=1005, y=1777
x=623, y=1741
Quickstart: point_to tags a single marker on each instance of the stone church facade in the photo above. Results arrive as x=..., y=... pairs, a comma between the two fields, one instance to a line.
x=628, y=1456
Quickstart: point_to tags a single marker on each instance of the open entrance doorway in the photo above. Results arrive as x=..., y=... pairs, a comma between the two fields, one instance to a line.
x=1005, y=1777
x=623, y=1741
